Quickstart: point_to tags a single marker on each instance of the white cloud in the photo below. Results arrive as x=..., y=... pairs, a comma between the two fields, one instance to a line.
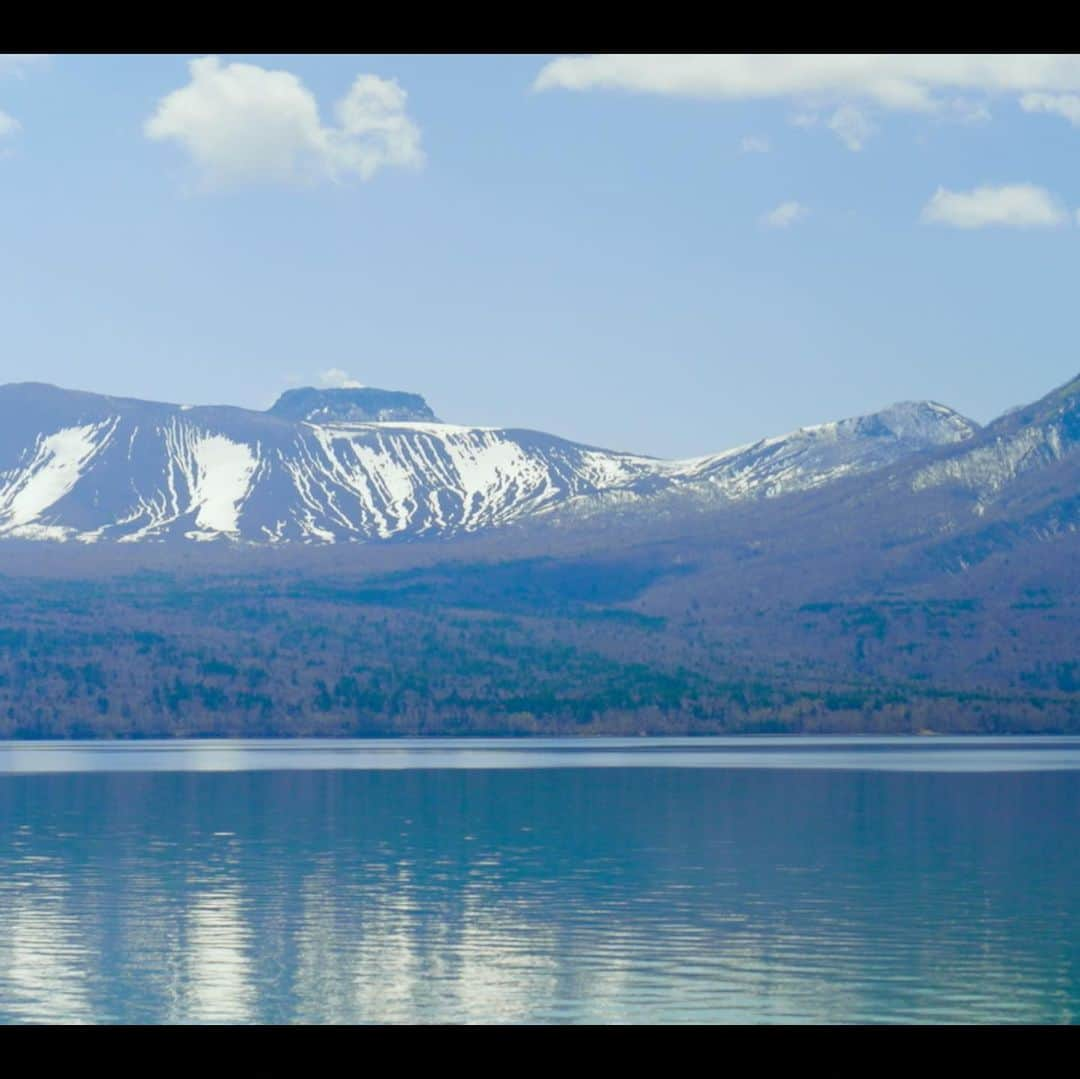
x=892, y=81
x=241, y=123
x=754, y=144
x=851, y=126
x=1011, y=205
x=784, y=215
x=940, y=84
x=1066, y=105
x=8, y=124
x=336, y=379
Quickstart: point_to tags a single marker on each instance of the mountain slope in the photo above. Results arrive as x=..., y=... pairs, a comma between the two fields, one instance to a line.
x=937, y=592
x=325, y=466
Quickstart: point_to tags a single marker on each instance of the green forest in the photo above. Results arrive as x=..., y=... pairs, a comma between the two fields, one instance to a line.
x=527, y=647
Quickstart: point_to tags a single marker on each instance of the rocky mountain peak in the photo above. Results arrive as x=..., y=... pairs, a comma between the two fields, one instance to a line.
x=925, y=423
x=352, y=405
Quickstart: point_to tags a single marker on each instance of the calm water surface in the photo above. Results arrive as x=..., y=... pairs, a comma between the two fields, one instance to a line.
x=615, y=880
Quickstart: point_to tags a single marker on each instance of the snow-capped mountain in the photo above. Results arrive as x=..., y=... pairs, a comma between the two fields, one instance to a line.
x=1024, y=439
x=327, y=466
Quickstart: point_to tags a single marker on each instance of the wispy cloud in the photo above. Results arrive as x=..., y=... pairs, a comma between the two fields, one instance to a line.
x=1064, y=105
x=940, y=84
x=243, y=124
x=18, y=63
x=968, y=111
x=851, y=126
x=1007, y=205
x=755, y=144
x=784, y=215
x=892, y=81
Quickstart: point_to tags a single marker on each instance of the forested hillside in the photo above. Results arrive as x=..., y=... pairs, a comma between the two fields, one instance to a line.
x=939, y=592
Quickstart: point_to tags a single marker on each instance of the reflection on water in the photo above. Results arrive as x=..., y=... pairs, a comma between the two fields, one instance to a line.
x=218, y=977
x=891, y=754
x=618, y=894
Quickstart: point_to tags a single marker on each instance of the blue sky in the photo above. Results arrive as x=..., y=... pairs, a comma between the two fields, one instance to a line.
x=593, y=257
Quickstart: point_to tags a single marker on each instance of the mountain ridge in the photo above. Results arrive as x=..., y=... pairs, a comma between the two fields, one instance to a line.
x=926, y=593
x=316, y=467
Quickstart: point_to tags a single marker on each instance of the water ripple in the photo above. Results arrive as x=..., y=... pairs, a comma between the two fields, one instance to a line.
x=549, y=895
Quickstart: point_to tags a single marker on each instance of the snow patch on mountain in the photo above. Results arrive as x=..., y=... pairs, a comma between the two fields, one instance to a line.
x=279, y=477
x=220, y=476
x=59, y=460
x=990, y=467
x=207, y=477
x=813, y=456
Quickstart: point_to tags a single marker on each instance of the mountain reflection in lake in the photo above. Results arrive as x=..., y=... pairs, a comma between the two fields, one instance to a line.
x=625, y=894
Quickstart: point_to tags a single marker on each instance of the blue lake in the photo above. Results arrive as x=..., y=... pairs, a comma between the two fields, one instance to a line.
x=610, y=880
